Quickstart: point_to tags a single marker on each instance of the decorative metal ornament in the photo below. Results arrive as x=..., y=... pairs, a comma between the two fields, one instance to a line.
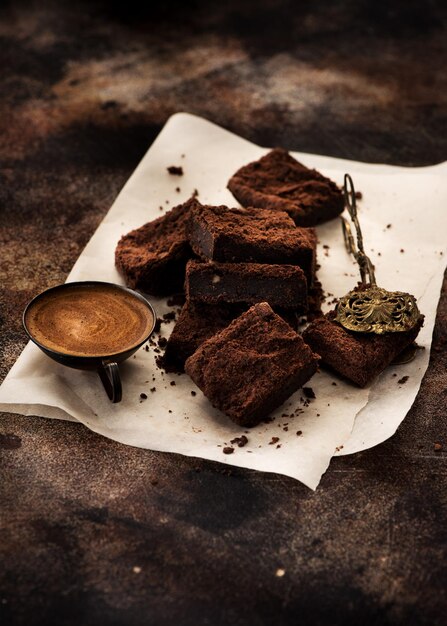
x=371, y=309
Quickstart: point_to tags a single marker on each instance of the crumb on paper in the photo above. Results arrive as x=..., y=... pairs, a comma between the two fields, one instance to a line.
x=143, y=396
x=175, y=170
x=273, y=441
x=309, y=393
x=228, y=450
x=403, y=380
x=240, y=441
x=193, y=393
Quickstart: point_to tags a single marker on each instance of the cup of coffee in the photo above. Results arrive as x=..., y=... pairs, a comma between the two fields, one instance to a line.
x=90, y=325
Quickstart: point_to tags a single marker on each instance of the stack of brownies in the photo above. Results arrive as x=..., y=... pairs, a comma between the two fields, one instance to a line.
x=248, y=275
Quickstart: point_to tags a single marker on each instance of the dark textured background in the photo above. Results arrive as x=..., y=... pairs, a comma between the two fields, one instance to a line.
x=84, y=89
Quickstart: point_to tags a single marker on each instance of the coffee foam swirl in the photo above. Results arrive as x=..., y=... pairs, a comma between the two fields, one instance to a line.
x=89, y=320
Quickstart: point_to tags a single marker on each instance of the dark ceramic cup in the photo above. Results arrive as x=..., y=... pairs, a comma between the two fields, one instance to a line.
x=106, y=365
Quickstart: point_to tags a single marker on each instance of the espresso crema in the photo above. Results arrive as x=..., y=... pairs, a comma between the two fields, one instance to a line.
x=89, y=320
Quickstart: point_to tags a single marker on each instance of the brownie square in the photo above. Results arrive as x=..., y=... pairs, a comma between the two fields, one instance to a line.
x=153, y=257
x=196, y=323
x=247, y=283
x=278, y=181
x=360, y=357
x=251, y=235
x=252, y=366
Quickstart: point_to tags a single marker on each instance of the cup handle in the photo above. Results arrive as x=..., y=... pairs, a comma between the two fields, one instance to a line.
x=110, y=378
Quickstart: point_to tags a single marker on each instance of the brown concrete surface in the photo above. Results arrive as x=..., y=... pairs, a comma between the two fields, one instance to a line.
x=94, y=532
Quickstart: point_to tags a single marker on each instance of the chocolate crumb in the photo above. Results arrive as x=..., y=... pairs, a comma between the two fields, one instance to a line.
x=195, y=193
x=273, y=441
x=402, y=250
x=240, y=441
x=193, y=393
x=175, y=170
x=157, y=326
x=309, y=393
x=388, y=225
x=299, y=433
x=160, y=208
x=403, y=380
x=162, y=342
x=358, y=195
x=169, y=316
x=286, y=428
x=152, y=389
x=177, y=189
x=146, y=347
x=437, y=447
x=172, y=383
x=278, y=446
x=228, y=450
x=143, y=396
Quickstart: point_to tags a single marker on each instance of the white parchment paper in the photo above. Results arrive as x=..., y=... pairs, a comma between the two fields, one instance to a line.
x=409, y=255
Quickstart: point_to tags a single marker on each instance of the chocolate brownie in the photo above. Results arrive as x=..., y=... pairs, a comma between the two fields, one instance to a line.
x=251, y=235
x=278, y=181
x=196, y=323
x=153, y=257
x=252, y=366
x=279, y=285
x=360, y=357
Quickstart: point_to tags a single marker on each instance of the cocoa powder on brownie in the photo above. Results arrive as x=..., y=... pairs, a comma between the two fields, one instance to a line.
x=196, y=323
x=278, y=181
x=360, y=357
x=252, y=235
x=153, y=257
x=252, y=366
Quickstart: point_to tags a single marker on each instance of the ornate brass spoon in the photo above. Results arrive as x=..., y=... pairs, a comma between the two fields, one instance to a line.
x=371, y=309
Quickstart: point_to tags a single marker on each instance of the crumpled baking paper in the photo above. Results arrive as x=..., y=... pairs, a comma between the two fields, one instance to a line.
x=404, y=224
